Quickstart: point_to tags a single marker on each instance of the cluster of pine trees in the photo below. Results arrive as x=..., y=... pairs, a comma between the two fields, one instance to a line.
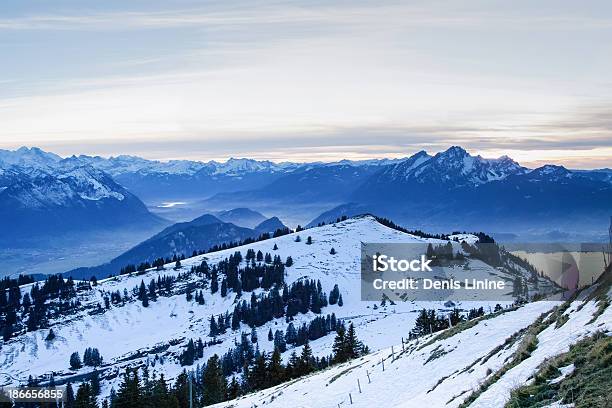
x=429, y=321
x=442, y=254
x=208, y=384
x=318, y=327
x=55, y=297
x=195, y=350
x=91, y=358
x=301, y=297
x=158, y=264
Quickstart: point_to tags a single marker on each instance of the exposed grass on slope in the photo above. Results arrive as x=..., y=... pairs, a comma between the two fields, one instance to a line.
x=588, y=385
x=602, y=304
x=528, y=344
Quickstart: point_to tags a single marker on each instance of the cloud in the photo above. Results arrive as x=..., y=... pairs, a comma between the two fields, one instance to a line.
x=442, y=14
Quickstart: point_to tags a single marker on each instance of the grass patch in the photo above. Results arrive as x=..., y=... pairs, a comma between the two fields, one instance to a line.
x=561, y=321
x=436, y=353
x=588, y=385
x=343, y=372
x=602, y=304
x=528, y=344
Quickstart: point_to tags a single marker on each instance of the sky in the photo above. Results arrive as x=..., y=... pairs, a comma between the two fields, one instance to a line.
x=311, y=80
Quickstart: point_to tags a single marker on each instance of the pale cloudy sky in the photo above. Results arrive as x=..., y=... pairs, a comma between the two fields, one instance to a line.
x=311, y=80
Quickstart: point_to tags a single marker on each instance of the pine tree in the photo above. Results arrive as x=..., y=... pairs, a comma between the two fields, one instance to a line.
x=309, y=240
x=306, y=363
x=223, y=288
x=276, y=371
x=270, y=336
x=333, y=251
x=84, y=397
x=340, y=302
x=353, y=346
x=75, y=361
x=259, y=372
x=50, y=336
x=129, y=395
x=279, y=341
x=291, y=335
x=289, y=262
x=214, y=330
x=233, y=389
x=69, y=401
x=338, y=348
x=95, y=383
x=214, y=382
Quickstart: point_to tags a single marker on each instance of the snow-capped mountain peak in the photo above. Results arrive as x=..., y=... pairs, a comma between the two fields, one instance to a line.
x=31, y=157
x=457, y=167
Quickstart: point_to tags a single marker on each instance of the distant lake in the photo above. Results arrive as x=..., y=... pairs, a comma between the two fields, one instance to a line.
x=170, y=204
x=566, y=267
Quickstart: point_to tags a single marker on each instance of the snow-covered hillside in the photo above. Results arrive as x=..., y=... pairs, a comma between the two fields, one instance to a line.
x=440, y=373
x=134, y=335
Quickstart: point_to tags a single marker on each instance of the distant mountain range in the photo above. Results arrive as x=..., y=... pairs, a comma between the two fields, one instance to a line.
x=455, y=190
x=182, y=238
x=42, y=195
x=41, y=192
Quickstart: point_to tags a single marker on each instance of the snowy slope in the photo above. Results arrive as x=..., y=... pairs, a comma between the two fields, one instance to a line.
x=441, y=374
x=133, y=335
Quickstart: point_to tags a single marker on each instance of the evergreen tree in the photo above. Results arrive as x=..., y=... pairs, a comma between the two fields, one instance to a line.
x=84, y=397
x=291, y=336
x=309, y=240
x=289, y=262
x=332, y=251
x=214, y=329
x=270, y=336
x=306, y=362
x=213, y=380
x=276, y=371
x=129, y=395
x=95, y=383
x=279, y=341
x=339, y=348
x=69, y=401
x=223, y=288
x=353, y=347
x=75, y=361
x=340, y=302
x=50, y=336
x=233, y=389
